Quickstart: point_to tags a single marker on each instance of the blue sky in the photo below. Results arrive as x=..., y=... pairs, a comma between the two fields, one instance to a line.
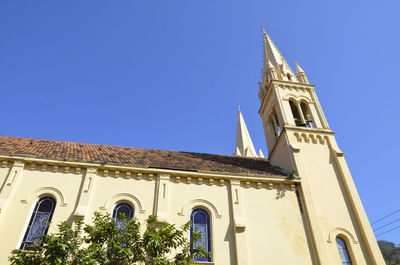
x=169, y=74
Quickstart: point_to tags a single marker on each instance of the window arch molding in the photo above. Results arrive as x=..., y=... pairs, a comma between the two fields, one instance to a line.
x=349, y=239
x=200, y=203
x=298, y=98
x=342, y=233
x=43, y=191
x=123, y=197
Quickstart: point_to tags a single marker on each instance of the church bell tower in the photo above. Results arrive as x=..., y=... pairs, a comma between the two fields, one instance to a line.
x=300, y=141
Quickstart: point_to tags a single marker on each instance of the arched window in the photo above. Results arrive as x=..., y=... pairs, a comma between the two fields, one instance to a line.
x=343, y=251
x=271, y=129
x=201, y=222
x=120, y=209
x=307, y=115
x=278, y=128
x=39, y=222
x=296, y=114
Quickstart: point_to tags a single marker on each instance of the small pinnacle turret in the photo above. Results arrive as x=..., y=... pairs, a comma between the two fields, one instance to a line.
x=244, y=145
x=301, y=75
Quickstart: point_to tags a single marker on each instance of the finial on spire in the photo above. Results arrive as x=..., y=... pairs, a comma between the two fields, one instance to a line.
x=239, y=106
x=262, y=28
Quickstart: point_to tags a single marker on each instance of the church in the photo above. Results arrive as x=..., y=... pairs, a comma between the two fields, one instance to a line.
x=300, y=206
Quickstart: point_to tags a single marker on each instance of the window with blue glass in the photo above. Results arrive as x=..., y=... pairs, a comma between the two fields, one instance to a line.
x=201, y=222
x=39, y=222
x=122, y=208
x=343, y=251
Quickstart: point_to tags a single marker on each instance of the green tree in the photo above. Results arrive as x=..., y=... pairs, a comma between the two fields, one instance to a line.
x=390, y=252
x=107, y=243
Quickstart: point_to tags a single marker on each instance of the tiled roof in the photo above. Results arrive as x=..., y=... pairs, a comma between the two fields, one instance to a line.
x=137, y=157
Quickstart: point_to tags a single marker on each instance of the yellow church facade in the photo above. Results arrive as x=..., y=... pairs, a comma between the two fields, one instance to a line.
x=299, y=206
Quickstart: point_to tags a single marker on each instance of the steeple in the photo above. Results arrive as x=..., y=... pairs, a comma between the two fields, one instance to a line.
x=244, y=145
x=300, y=141
x=273, y=59
x=271, y=52
x=281, y=105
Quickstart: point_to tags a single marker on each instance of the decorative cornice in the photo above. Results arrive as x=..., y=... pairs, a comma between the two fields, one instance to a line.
x=309, y=138
x=77, y=166
x=18, y=163
x=147, y=174
x=293, y=128
x=287, y=84
x=91, y=170
x=4, y=164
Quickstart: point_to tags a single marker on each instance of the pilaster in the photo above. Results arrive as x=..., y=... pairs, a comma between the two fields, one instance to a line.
x=311, y=212
x=86, y=192
x=302, y=118
x=10, y=183
x=239, y=223
x=161, y=197
x=359, y=212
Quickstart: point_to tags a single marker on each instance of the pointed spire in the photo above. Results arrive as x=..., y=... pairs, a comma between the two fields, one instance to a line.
x=270, y=65
x=301, y=75
x=271, y=52
x=260, y=154
x=298, y=68
x=237, y=152
x=244, y=145
x=273, y=57
x=271, y=71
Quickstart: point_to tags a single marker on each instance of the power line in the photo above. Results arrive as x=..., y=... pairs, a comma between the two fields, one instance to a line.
x=388, y=230
x=387, y=224
x=398, y=210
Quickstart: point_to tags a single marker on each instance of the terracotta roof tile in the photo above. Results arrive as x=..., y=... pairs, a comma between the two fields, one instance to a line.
x=138, y=157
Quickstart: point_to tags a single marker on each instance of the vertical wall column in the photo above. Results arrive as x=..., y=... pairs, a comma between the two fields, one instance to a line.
x=239, y=223
x=358, y=209
x=319, y=112
x=310, y=210
x=302, y=118
x=276, y=124
x=86, y=191
x=161, y=198
x=315, y=117
x=284, y=107
x=8, y=186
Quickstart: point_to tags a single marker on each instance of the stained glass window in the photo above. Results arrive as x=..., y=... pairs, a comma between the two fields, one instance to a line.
x=120, y=209
x=39, y=222
x=201, y=222
x=343, y=251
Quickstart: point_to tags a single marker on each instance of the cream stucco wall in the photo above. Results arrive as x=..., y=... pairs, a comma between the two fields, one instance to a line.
x=254, y=219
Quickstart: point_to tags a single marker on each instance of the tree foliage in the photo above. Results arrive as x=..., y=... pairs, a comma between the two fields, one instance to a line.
x=107, y=243
x=390, y=252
